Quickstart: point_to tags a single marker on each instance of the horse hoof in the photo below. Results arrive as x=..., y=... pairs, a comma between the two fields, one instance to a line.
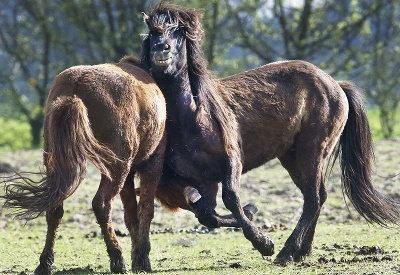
x=141, y=263
x=140, y=269
x=250, y=210
x=42, y=270
x=119, y=267
x=283, y=261
x=191, y=194
x=264, y=245
x=284, y=258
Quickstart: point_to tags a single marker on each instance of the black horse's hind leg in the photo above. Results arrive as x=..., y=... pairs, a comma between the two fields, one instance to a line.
x=53, y=219
x=102, y=204
x=308, y=176
x=306, y=247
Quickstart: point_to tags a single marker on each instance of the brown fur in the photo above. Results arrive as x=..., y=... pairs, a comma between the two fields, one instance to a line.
x=218, y=129
x=114, y=116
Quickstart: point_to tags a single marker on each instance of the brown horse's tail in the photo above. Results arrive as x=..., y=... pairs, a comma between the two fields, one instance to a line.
x=69, y=143
x=356, y=163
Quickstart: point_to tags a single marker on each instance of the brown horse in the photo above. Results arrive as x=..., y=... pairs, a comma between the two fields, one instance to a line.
x=114, y=116
x=219, y=129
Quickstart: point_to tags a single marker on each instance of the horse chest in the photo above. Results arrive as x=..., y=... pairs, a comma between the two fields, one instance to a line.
x=195, y=159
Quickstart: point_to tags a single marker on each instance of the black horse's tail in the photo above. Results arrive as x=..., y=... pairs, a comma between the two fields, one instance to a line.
x=69, y=143
x=357, y=157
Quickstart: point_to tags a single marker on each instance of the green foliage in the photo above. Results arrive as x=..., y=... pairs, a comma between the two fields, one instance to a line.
x=15, y=134
x=376, y=124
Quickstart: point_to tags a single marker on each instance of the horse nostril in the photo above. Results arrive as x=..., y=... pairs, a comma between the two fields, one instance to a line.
x=167, y=47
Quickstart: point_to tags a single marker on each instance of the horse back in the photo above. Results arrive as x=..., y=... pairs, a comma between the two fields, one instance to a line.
x=278, y=102
x=126, y=109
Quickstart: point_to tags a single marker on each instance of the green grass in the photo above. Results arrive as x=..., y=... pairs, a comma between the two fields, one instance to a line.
x=339, y=235
x=335, y=248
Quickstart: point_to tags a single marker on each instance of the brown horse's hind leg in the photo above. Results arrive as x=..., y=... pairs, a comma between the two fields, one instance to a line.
x=53, y=219
x=102, y=205
x=308, y=176
x=129, y=201
x=149, y=175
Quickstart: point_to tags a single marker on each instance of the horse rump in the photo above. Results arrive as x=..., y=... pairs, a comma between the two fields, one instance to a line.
x=69, y=143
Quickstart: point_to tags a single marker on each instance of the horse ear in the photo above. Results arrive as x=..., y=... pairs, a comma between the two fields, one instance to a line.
x=145, y=53
x=145, y=18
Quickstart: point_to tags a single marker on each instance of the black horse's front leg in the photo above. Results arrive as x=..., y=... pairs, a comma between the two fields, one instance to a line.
x=231, y=199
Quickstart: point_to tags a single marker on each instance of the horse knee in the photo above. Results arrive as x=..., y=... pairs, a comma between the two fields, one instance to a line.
x=231, y=200
x=100, y=208
x=208, y=220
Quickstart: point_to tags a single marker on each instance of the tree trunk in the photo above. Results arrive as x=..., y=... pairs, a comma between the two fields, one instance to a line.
x=36, y=132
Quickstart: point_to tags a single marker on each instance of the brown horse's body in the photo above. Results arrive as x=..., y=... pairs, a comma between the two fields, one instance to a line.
x=114, y=116
x=218, y=129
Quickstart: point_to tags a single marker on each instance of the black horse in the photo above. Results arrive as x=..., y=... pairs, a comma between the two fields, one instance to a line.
x=219, y=129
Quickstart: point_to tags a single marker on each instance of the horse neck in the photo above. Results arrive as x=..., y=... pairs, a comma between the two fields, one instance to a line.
x=181, y=105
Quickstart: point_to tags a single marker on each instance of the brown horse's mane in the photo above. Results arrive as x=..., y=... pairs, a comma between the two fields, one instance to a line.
x=205, y=87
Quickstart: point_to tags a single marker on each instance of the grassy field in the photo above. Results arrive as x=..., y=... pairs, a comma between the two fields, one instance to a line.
x=344, y=243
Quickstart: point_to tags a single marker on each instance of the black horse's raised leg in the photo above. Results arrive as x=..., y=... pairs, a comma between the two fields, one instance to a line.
x=53, y=219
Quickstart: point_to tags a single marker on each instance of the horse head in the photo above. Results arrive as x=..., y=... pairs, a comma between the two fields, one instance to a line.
x=173, y=39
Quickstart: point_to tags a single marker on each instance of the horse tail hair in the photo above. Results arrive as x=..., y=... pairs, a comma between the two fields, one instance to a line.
x=69, y=144
x=356, y=161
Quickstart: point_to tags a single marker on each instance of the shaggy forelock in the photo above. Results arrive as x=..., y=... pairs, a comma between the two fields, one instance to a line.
x=166, y=18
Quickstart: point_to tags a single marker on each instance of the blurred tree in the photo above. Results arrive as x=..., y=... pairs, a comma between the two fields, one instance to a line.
x=317, y=31
x=106, y=30
x=358, y=37
x=26, y=36
x=379, y=66
x=40, y=38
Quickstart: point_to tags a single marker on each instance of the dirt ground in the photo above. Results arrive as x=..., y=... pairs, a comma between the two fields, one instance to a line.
x=268, y=187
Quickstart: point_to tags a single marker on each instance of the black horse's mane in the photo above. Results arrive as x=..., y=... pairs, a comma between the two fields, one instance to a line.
x=166, y=17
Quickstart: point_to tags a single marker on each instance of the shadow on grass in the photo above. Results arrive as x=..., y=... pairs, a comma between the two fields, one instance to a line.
x=78, y=270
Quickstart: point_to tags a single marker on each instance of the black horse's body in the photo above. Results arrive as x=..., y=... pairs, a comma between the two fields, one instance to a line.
x=218, y=129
